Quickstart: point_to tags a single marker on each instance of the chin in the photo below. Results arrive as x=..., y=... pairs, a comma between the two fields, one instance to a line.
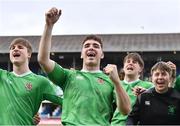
x=130, y=73
x=16, y=62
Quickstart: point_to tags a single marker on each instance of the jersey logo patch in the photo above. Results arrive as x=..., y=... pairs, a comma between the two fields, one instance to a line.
x=100, y=81
x=171, y=110
x=28, y=86
x=147, y=103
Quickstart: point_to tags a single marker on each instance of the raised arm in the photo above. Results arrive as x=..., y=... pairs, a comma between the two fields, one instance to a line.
x=173, y=77
x=123, y=101
x=45, y=43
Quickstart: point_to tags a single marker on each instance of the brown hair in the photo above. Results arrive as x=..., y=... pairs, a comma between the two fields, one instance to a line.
x=161, y=66
x=93, y=37
x=23, y=42
x=135, y=57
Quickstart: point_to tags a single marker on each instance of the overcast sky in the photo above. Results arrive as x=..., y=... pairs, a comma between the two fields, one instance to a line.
x=26, y=17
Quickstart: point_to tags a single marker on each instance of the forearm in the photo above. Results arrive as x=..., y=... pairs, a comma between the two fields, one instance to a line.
x=54, y=99
x=44, y=49
x=123, y=101
x=45, y=44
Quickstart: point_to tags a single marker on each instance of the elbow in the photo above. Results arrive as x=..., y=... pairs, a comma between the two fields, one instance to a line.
x=41, y=60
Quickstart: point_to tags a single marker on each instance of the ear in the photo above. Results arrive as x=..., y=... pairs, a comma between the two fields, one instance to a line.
x=81, y=55
x=29, y=55
x=140, y=70
x=102, y=55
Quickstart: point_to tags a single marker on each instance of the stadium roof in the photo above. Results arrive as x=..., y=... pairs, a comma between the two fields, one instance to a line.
x=111, y=42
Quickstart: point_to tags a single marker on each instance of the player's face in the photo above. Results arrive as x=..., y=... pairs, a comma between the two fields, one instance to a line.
x=132, y=67
x=19, y=54
x=161, y=80
x=92, y=53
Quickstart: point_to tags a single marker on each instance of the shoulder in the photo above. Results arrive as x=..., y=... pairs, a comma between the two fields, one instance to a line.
x=59, y=70
x=175, y=93
x=40, y=78
x=178, y=79
x=150, y=90
x=177, y=83
x=37, y=75
x=145, y=84
x=4, y=71
x=4, y=74
x=148, y=93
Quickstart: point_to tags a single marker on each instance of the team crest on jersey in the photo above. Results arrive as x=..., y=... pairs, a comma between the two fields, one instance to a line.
x=171, y=110
x=28, y=86
x=100, y=81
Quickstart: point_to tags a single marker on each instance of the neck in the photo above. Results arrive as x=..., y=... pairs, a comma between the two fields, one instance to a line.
x=131, y=78
x=90, y=68
x=20, y=69
x=161, y=92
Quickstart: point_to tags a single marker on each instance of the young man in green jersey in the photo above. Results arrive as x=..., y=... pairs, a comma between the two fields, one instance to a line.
x=133, y=68
x=88, y=93
x=21, y=90
x=159, y=105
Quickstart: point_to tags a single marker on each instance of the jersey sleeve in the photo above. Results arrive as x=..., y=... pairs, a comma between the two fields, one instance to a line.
x=52, y=93
x=147, y=84
x=58, y=75
x=2, y=72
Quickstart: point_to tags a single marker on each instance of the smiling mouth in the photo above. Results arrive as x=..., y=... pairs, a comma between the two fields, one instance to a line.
x=129, y=68
x=16, y=55
x=91, y=54
x=159, y=83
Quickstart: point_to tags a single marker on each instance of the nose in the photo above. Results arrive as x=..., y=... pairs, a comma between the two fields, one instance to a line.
x=160, y=76
x=15, y=48
x=91, y=47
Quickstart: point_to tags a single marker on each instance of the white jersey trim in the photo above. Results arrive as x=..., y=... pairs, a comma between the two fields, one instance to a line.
x=93, y=71
x=131, y=81
x=22, y=75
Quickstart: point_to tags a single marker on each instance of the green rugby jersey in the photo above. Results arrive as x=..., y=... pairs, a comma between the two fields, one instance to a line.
x=177, y=83
x=118, y=118
x=88, y=97
x=21, y=96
